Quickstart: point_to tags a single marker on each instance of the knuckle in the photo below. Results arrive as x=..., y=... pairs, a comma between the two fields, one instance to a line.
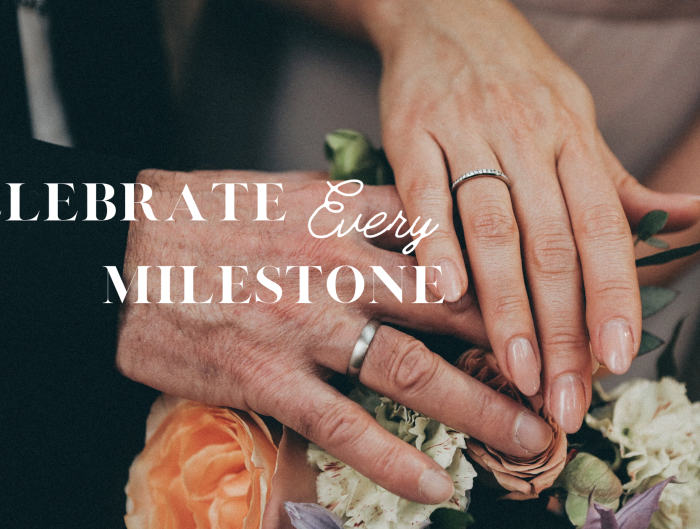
x=604, y=222
x=425, y=194
x=581, y=98
x=409, y=114
x=551, y=250
x=333, y=426
x=566, y=339
x=411, y=367
x=384, y=465
x=508, y=304
x=494, y=223
x=252, y=376
x=521, y=121
x=442, y=240
x=537, y=111
x=578, y=97
x=617, y=288
x=570, y=127
x=484, y=407
x=530, y=118
x=577, y=121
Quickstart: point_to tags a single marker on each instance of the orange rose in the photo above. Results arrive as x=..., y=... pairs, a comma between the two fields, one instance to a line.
x=203, y=467
x=524, y=478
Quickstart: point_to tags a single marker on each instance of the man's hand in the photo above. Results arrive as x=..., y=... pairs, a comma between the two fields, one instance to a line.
x=273, y=358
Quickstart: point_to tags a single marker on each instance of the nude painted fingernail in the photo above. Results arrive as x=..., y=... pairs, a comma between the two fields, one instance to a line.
x=617, y=346
x=567, y=401
x=448, y=282
x=436, y=486
x=532, y=433
x=523, y=366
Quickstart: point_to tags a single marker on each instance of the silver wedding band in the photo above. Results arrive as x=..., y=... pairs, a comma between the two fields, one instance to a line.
x=361, y=347
x=479, y=173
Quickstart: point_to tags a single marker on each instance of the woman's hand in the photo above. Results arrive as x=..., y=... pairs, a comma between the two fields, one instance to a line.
x=469, y=85
x=274, y=357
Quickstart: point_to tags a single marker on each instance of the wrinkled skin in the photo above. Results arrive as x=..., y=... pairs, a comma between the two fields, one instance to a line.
x=274, y=358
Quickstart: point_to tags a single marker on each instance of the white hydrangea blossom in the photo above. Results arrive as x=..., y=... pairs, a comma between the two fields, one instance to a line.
x=658, y=429
x=362, y=504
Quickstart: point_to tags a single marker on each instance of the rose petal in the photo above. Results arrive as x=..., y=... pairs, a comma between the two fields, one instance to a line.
x=202, y=466
x=524, y=478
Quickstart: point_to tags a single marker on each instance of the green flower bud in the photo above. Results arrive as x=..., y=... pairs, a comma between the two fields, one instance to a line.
x=580, y=477
x=353, y=157
x=584, y=473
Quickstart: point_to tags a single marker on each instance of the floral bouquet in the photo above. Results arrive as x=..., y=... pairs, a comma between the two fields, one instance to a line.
x=635, y=463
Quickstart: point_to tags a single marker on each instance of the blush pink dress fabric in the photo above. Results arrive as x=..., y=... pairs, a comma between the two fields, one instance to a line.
x=644, y=72
x=621, y=8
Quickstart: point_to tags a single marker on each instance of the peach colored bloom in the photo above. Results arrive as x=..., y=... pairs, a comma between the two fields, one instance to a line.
x=203, y=467
x=524, y=478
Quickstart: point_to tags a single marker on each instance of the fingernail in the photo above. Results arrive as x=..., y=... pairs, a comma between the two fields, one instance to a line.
x=617, y=346
x=567, y=402
x=532, y=433
x=448, y=282
x=523, y=366
x=436, y=486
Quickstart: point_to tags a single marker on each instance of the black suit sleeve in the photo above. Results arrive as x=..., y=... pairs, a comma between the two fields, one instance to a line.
x=70, y=423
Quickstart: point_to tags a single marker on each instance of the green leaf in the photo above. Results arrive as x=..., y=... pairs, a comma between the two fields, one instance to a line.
x=657, y=243
x=654, y=299
x=451, y=519
x=651, y=224
x=668, y=256
x=649, y=343
x=666, y=364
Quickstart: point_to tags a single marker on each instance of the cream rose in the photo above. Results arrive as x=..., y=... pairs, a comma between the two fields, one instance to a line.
x=363, y=504
x=658, y=429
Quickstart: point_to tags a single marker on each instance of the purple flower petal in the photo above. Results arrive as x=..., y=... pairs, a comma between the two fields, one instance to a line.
x=311, y=516
x=637, y=513
x=594, y=518
x=607, y=518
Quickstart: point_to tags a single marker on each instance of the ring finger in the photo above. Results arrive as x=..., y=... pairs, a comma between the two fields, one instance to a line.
x=493, y=247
